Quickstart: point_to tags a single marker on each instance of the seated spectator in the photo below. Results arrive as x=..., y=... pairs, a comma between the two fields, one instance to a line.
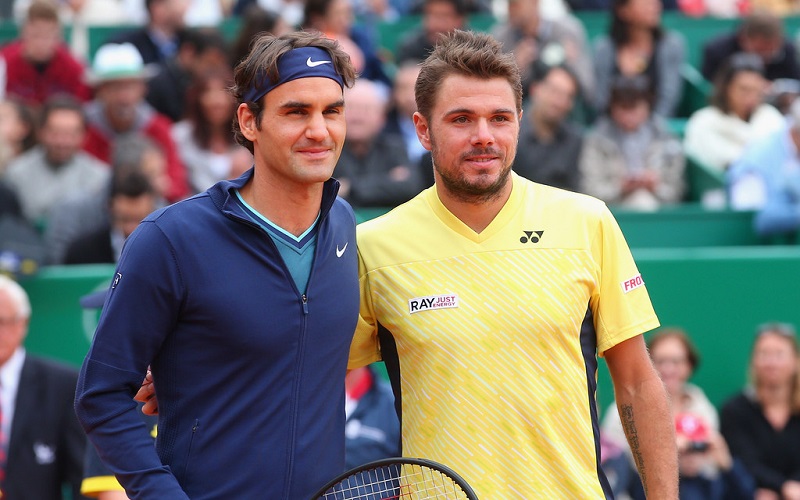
x=438, y=17
x=372, y=430
x=334, y=18
x=56, y=168
x=762, y=423
x=373, y=169
x=17, y=131
x=119, y=109
x=531, y=37
x=39, y=64
x=707, y=469
x=629, y=158
x=157, y=41
x=760, y=34
x=132, y=198
x=254, y=21
x=399, y=121
x=549, y=146
x=766, y=178
x=637, y=45
x=199, y=50
x=716, y=135
x=85, y=212
x=44, y=447
x=204, y=140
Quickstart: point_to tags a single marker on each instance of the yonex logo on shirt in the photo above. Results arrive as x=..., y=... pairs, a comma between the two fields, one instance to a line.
x=419, y=304
x=532, y=236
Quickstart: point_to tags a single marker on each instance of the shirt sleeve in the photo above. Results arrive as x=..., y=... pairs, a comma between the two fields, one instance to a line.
x=620, y=304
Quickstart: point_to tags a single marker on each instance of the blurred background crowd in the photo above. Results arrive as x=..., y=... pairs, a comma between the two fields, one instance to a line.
x=110, y=109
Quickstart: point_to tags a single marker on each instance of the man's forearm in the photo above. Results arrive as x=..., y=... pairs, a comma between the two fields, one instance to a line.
x=648, y=425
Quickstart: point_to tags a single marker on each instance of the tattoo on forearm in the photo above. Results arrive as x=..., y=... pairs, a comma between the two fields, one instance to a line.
x=628, y=424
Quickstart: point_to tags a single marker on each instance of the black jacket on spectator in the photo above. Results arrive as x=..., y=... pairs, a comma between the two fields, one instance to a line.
x=717, y=50
x=144, y=44
x=46, y=446
x=166, y=91
x=91, y=248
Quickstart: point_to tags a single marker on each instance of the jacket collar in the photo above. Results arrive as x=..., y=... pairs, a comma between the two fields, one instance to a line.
x=223, y=194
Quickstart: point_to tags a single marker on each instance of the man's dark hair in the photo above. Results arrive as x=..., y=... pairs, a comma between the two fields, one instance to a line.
x=468, y=54
x=262, y=61
x=60, y=102
x=130, y=183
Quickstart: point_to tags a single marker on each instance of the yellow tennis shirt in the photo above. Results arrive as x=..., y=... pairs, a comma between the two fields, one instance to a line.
x=496, y=378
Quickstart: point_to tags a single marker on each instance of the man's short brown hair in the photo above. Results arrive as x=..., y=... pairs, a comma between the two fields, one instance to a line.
x=468, y=54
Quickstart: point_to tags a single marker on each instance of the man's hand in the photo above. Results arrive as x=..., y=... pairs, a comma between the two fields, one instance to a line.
x=147, y=395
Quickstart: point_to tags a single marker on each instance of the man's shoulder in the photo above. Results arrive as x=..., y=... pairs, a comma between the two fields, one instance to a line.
x=189, y=212
x=20, y=167
x=555, y=199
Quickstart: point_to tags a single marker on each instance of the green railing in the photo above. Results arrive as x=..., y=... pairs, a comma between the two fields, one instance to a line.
x=717, y=291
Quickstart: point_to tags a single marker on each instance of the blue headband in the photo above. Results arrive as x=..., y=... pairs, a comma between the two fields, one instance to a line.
x=304, y=62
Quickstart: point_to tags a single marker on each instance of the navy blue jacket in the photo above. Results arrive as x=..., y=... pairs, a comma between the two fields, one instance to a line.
x=249, y=372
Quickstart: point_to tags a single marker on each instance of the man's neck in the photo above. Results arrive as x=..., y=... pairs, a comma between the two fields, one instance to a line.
x=290, y=206
x=476, y=213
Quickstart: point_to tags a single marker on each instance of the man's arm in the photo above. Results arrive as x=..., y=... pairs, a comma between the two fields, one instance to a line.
x=140, y=311
x=645, y=414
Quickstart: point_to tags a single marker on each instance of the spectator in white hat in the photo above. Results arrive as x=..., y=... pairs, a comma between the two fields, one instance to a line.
x=119, y=77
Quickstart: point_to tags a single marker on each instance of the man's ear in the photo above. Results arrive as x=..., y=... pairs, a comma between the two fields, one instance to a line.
x=247, y=122
x=423, y=130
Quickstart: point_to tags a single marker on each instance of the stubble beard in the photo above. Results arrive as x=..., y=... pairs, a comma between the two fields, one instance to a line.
x=461, y=188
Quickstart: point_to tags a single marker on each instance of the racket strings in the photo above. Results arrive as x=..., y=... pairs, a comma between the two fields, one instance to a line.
x=403, y=482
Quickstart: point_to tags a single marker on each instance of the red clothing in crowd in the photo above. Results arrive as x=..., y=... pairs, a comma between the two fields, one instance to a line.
x=157, y=129
x=62, y=75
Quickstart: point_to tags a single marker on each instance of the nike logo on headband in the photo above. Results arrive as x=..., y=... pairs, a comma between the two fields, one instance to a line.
x=314, y=64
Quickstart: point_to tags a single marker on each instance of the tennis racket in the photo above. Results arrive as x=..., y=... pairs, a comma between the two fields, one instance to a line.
x=398, y=478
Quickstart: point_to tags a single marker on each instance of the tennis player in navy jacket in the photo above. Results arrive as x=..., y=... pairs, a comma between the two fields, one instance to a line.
x=243, y=300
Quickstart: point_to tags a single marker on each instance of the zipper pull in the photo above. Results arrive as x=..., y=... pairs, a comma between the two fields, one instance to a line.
x=305, y=304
